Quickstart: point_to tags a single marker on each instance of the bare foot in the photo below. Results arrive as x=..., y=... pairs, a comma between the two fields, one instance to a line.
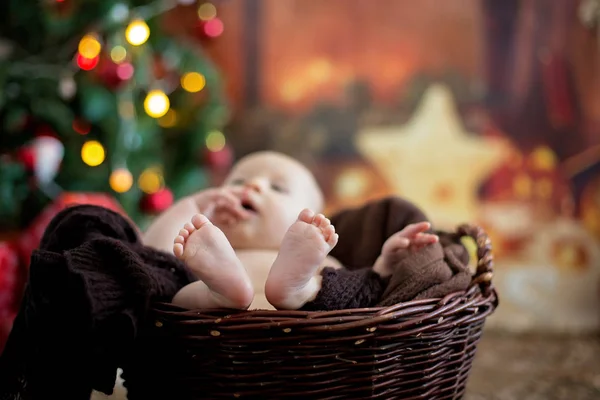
x=411, y=238
x=293, y=279
x=224, y=282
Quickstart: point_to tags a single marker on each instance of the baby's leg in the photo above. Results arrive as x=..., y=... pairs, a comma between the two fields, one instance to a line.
x=224, y=282
x=294, y=277
x=412, y=237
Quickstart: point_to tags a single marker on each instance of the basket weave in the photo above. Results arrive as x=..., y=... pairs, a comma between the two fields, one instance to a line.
x=415, y=350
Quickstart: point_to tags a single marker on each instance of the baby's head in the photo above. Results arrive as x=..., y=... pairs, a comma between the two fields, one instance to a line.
x=277, y=188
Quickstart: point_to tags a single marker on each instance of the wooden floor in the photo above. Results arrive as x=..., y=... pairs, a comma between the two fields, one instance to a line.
x=535, y=368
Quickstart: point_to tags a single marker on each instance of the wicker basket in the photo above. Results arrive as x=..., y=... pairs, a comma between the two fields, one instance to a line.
x=415, y=350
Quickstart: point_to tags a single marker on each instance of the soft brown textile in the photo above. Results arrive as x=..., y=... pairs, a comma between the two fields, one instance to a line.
x=431, y=272
x=90, y=287
x=92, y=283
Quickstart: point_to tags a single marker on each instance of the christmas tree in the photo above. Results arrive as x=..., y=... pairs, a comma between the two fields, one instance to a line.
x=97, y=98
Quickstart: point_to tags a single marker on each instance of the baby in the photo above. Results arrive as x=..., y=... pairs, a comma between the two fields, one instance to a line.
x=259, y=241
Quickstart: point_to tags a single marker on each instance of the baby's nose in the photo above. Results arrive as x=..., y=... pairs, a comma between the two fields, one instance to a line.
x=256, y=184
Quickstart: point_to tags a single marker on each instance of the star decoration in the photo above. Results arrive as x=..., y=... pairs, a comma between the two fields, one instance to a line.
x=432, y=161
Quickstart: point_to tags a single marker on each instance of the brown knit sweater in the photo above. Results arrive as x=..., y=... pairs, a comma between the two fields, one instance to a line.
x=92, y=283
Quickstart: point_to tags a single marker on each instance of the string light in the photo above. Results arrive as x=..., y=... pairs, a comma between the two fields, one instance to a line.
x=87, y=64
x=151, y=180
x=207, y=11
x=215, y=141
x=543, y=159
x=169, y=120
x=120, y=180
x=89, y=46
x=156, y=103
x=92, y=153
x=214, y=27
x=125, y=71
x=137, y=33
x=193, y=82
x=118, y=54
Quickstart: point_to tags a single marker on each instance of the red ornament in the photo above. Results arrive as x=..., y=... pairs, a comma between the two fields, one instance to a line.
x=81, y=127
x=26, y=156
x=45, y=131
x=213, y=28
x=9, y=279
x=86, y=64
x=11, y=287
x=157, y=202
x=115, y=75
x=221, y=159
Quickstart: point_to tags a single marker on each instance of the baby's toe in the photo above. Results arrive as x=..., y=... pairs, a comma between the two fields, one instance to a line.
x=189, y=227
x=328, y=232
x=184, y=233
x=333, y=239
x=178, y=250
x=324, y=223
x=179, y=239
x=320, y=221
x=306, y=215
x=199, y=220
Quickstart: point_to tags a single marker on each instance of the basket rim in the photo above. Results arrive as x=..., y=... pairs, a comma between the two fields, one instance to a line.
x=457, y=308
x=480, y=294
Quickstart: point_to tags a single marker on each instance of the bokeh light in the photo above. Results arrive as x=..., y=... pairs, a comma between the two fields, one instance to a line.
x=92, y=153
x=121, y=180
x=156, y=103
x=137, y=32
x=193, y=82
x=215, y=141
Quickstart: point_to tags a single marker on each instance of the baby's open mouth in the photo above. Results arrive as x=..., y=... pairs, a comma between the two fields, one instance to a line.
x=248, y=206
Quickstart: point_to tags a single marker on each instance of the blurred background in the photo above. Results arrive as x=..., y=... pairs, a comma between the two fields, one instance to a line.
x=480, y=111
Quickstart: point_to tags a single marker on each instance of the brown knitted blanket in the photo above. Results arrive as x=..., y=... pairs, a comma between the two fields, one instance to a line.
x=432, y=272
x=92, y=283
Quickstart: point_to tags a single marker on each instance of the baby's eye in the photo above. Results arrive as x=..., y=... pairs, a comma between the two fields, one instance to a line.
x=278, y=188
x=237, y=182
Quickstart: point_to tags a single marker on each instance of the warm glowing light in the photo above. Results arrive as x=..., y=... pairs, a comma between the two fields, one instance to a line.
x=120, y=180
x=92, y=153
x=351, y=184
x=156, y=104
x=543, y=159
x=291, y=91
x=215, y=141
x=214, y=27
x=320, y=71
x=89, y=46
x=193, y=82
x=169, y=120
x=137, y=33
x=523, y=186
x=151, y=180
x=118, y=54
x=87, y=64
x=125, y=71
x=207, y=11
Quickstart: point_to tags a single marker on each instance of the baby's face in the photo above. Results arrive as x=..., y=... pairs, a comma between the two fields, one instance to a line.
x=276, y=189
